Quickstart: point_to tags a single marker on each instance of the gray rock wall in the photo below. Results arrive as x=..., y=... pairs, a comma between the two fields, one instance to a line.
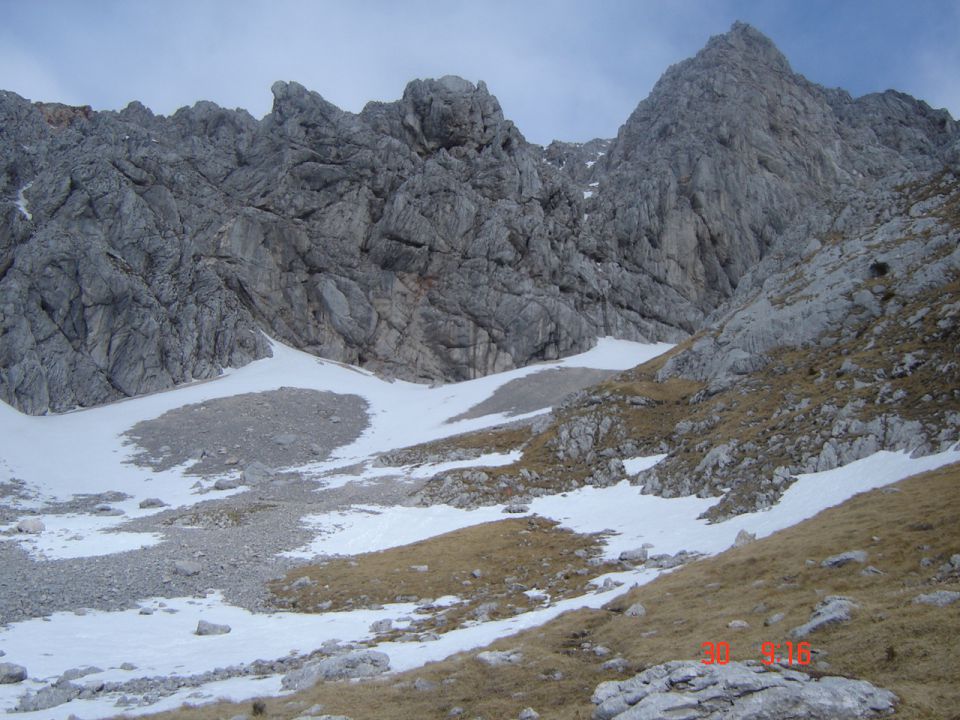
x=424, y=238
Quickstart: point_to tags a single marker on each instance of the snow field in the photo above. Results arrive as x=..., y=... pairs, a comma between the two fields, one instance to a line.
x=79, y=452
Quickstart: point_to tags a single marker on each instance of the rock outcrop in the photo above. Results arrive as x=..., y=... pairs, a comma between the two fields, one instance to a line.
x=424, y=238
x=737, y=690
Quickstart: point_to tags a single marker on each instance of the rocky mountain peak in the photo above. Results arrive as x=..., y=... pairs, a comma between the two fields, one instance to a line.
x=445, y=113
x=423, y=237
x=744, y=44
x=293, y=103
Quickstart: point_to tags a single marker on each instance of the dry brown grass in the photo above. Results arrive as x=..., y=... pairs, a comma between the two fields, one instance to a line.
x=694, y=605
x=512, y=556
x=499, y=439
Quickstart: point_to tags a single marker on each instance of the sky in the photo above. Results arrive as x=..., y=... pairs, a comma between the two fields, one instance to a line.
x=568, y=70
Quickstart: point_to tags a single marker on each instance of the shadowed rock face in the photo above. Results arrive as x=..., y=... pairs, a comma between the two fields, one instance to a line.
x=424, y=237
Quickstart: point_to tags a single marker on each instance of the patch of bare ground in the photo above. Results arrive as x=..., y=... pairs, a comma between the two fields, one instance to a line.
x=498, y=439
x=536, y=391
x=890, y=641
x=284, y=427
x=489, y=566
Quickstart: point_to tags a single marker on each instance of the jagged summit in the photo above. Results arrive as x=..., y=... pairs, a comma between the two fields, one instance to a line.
x=744, y=43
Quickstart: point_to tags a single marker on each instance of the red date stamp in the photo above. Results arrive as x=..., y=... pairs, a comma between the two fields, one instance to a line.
x=787, y=653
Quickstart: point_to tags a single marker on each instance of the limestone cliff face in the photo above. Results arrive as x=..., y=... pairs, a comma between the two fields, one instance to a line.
x=424, y=237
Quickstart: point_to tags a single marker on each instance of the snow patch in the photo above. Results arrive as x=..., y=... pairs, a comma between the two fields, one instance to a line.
x=22, y=201
x=639, y=464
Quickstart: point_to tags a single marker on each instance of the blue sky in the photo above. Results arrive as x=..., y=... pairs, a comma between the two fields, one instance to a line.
x=561, y=70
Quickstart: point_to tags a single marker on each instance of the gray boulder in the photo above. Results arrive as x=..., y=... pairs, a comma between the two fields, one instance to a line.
x=187, y=567
x=209, y=628
x=737, y=691
x=832, y=610
x=835, y=561
x=363, y=663
x=939, y=598
x=636, y=610
x=11, y=673
x=495, y=658
x=31, y=526
x=256, y=473
x=637, y=556
x=48, y=697
x=227, y=483
x=75, y=673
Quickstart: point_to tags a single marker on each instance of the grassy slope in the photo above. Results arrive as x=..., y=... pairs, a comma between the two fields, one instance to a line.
x=891, y=642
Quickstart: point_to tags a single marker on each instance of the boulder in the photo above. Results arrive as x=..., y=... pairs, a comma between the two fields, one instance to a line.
x=187, y=567
x=637, y=556
x=495, y=658
x=256, y=473
x=381, y=626
x=940, y=598
x=11, y=673
x=832, y=610
x=690, y=690
x=75, y=673
x=209, y=628
x=516, y=508
x=363, y=663
x=835, y=561
x=636, y=610
x=32, y=526
x=149, y=503
x=48, y=697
